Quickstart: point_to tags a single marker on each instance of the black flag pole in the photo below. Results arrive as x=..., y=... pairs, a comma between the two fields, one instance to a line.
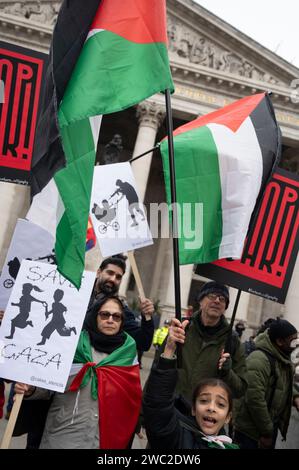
x=228, y=344
x=175, y=242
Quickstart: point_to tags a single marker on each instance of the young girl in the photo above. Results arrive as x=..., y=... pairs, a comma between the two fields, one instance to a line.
x=166, y=426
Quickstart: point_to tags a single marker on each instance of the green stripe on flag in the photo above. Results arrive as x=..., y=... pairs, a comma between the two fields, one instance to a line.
x=74, y=185
x=121, y=74
x=197, y=181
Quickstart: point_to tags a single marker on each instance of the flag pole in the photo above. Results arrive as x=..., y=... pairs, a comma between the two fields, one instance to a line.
x=228, y=344
x=145, y=153
x=175, y=242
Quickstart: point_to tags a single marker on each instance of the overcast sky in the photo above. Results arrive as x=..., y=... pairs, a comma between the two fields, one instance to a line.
x=274, y=24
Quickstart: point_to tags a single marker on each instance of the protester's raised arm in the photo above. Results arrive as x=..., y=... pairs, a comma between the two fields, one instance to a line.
x=176, y=334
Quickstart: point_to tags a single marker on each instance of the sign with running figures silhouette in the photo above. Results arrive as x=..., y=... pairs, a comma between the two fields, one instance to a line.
x=31, y=242
x=21, y=72
x=271, y=249
x=41, y=326
x=118, y=215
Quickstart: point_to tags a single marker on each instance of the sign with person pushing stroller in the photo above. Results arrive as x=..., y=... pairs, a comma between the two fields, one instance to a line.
x=118, y=216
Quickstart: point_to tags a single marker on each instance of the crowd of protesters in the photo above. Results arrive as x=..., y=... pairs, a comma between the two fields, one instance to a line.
x=186, y=405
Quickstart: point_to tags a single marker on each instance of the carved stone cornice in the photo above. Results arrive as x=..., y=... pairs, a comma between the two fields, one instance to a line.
x=150, y=114
x=186, y=44
x=231, y=85
x=18, y=30
x=38, y=11
x=229, y=39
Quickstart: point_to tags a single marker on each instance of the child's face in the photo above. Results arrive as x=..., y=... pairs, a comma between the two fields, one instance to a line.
x=211, y=409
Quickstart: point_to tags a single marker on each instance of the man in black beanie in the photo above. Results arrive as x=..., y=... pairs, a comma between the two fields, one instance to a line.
x=266, y=407
x=203, y=354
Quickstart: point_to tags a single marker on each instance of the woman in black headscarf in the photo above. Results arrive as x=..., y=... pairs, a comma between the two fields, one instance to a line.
x=105, y=374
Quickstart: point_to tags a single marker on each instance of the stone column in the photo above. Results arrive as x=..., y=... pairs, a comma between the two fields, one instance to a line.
x=15, y=201
x=165, y=274
x=242, y=307
x=150, y=116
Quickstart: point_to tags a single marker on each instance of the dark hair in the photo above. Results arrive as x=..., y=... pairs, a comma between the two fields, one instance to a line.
x=212, y=382
x=265, y=326
x=281, y=329
x=118, y=260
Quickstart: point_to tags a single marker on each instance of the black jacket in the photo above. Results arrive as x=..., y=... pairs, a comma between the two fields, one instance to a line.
x=166, y=427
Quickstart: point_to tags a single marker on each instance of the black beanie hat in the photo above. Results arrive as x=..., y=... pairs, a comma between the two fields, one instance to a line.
x=214, y=288
x=280, y=328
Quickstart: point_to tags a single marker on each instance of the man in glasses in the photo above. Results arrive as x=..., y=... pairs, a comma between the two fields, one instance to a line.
x=203, y=354
x=108, y=280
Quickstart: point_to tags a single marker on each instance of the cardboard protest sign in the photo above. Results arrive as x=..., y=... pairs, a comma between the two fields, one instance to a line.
x=31, y=242
x=41, y=326
x=117, y=214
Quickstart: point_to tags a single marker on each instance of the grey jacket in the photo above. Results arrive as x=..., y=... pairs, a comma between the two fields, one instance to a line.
x=72, y=421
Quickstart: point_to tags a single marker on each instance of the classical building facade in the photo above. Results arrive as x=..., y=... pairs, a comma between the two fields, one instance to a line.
x=212, y=65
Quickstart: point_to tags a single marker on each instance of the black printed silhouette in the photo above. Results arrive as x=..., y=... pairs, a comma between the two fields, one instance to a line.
x=58, y=321
x=127, y=190
x=51, y=258
x=105, y=214
x=21, y=320
x=13, y=267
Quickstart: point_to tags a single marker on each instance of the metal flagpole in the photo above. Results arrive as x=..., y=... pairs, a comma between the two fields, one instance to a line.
x=228, y=344
x=177, y=287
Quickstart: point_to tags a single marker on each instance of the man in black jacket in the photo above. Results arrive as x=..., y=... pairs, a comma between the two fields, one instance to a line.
x=109, y=277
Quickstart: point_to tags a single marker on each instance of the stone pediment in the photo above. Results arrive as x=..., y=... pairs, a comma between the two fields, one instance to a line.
x=199, y=38
x=188, y=45
x=37, y=11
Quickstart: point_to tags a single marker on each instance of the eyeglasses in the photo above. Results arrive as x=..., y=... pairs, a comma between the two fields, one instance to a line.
x=117, y=317
x=221, y=298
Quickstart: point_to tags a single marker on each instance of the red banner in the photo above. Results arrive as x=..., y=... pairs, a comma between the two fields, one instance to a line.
x=21, y=77
x=271, y=249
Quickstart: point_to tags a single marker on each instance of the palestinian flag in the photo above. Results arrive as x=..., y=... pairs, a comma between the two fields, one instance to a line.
x=222, y=162
x=115, y=383
x=123, y=61
x=90, y=236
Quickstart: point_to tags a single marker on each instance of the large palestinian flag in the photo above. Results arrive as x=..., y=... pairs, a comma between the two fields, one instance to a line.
x=222, y=162
x=123, y=61
x=115, y=383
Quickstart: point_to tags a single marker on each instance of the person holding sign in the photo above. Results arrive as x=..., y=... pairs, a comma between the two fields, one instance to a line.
x=104, y=365
x=109, y=277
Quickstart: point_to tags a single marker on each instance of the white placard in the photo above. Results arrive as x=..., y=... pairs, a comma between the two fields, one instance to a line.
x=42, y=325
x=29, y=241
x=118, y=218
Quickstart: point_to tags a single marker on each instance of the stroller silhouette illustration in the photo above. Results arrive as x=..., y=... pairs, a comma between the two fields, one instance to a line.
x=106, y=215
x=14, y=266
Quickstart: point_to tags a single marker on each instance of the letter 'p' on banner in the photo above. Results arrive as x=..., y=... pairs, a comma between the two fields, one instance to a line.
x=21, y=72
x=270, y=250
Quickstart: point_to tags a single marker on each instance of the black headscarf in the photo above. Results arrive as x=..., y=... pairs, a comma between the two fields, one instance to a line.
x=100, y=341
